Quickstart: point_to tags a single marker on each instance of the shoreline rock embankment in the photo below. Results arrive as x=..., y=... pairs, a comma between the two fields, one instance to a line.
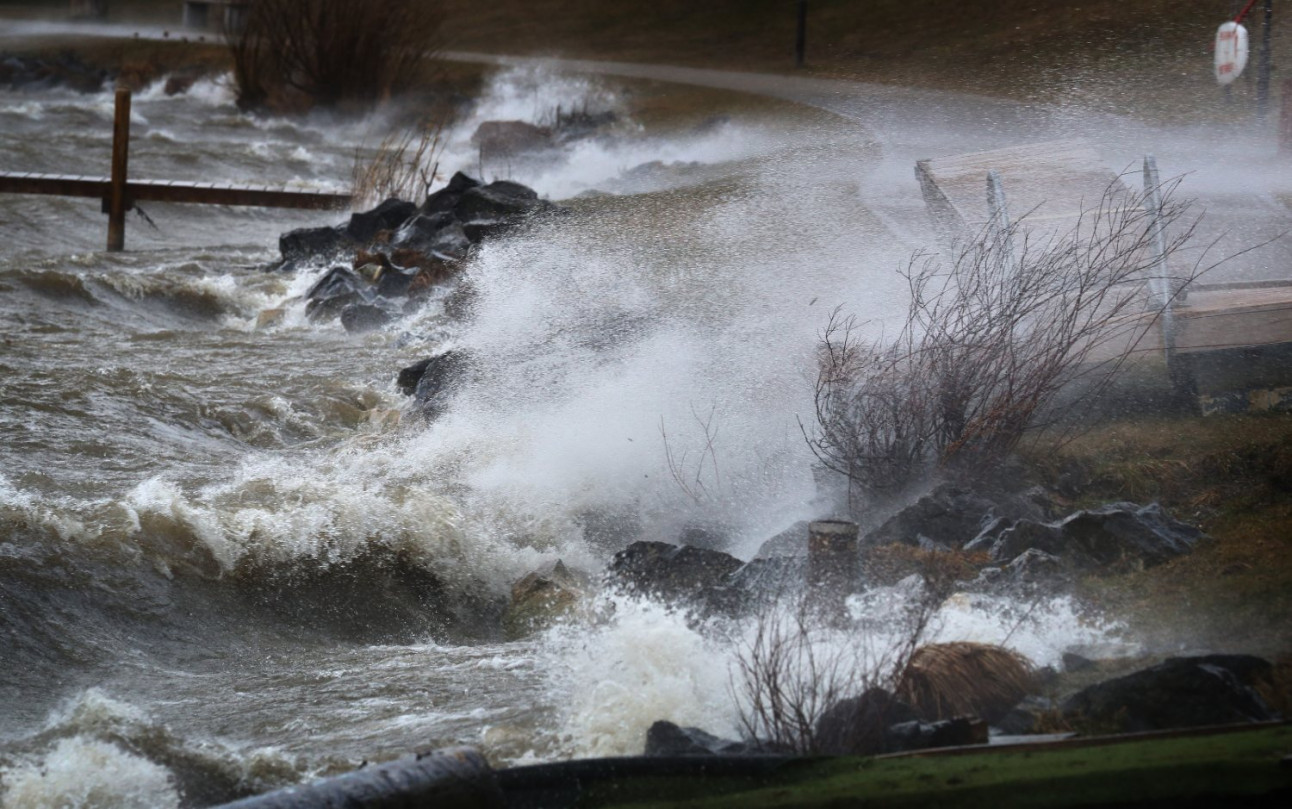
x=387, y=261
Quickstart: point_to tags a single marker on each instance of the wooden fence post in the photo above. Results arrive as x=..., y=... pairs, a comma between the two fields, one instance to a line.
x=832, y=565
x=117, y=202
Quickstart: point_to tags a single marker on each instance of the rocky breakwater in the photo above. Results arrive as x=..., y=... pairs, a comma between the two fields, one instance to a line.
x=386, y=262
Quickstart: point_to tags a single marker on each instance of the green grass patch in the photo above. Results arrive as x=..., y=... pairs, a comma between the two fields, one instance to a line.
x=1233, y=765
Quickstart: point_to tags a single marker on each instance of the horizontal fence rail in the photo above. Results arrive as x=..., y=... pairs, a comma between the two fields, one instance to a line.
x=120, y=194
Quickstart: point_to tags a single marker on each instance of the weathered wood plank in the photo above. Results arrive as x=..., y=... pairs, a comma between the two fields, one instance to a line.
x=172, y=191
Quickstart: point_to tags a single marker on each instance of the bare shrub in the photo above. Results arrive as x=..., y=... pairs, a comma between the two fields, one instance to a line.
x=988, y=342
x=404, y=166
x=303, y=53
x=798, y=664
x=945, y=680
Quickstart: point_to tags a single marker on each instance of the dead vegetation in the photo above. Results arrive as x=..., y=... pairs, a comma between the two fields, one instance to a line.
x=404, y=166
x=292, y=55
x=988, y=342
x=945, y=680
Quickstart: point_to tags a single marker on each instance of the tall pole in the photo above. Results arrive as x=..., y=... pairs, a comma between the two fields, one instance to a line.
x=117, y=202
x=800, y=37
x=1263, y=75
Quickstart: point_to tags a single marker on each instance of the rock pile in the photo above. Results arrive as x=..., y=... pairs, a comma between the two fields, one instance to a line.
x=396, y=253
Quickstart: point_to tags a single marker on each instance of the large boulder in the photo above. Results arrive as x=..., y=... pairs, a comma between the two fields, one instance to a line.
x=949, y=516
x=858, y=726
x=311, y=243
x=432, y=381
x=540, y=599
x=444, y=200
x=499, y=201
x=436, y=234
x=1116, y=535
x=1181, y=692
x=504, y=139
x=389, y=215
x=677, y=573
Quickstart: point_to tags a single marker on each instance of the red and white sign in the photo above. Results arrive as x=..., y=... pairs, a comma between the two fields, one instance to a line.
x=1231, y=51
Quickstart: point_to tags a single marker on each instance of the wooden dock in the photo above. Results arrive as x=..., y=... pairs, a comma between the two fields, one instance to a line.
x=119, y=193
x=1050, y=186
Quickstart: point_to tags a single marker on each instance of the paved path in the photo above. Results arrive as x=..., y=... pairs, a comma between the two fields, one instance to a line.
x=1233, y=172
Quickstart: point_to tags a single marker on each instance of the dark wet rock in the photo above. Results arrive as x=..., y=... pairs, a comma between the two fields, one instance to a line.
x=1031, y=571
x=790, y=542
x=1115, y=535
x=859, y=725
x=389, y=215
x=769, y=578
x=916, y=735
x=672, y=573
x=540, y=599
x=339, y=287
x=497, y=202
x=610, y=529
x=949, y=516
x=439, y=233
x=1034, y=714
x=408, y=377
x=1073, y=662
x=359, y=317
x=667, y=739
x=306, y=243
x=394, y=282
x=432, y=380
x=36, y=73
x=710, y=537
x=444, y=200
x=1181, y=692
x=503, y=139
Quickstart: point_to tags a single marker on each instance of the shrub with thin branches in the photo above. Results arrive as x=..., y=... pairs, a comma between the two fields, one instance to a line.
x=304, y=53
x=797, y=664
x=988, y=342
x=404, y=166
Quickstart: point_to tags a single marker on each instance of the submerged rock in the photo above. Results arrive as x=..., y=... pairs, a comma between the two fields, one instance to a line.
x=432, y=380
x=540, y=599
x=1181, y=692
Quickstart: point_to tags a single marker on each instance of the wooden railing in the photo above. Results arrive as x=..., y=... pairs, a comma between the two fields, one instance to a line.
x=119, y=194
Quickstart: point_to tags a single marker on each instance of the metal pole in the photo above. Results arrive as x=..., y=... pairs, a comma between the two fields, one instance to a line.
x=1263, y=76
x=998, y=227
x=117, y=203
x=1159, y=283
x=800, y=37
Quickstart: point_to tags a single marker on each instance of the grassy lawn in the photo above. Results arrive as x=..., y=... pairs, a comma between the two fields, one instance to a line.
x=1232, y=476
x=1193, y=771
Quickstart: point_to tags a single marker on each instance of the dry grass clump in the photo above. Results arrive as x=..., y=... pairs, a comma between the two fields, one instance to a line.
x=404, y=166
x=943, y=680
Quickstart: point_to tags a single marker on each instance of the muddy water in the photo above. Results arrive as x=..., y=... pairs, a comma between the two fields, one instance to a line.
x=231, y=559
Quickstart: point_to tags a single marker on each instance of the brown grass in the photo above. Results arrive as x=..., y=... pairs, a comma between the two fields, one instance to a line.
x=944, y=680
x=1232, y=476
